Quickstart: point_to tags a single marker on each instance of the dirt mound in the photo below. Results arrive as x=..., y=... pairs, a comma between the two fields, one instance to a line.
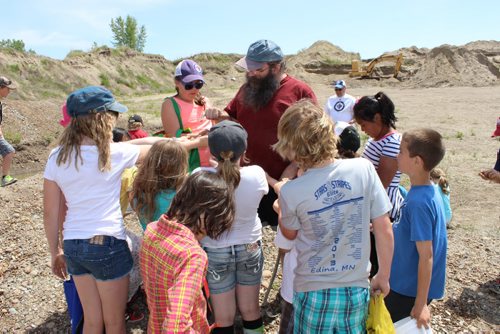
x=322, y=57
x=448, y=65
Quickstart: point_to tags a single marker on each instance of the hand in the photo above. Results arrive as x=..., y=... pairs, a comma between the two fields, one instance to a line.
x=421, y=315
x=213, y=113
x=276, y=206
x=380, y=284
x=490, y=175
x=58, y=264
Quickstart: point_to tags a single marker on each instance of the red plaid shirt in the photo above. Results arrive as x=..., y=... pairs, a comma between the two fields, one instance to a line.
x=173, y=266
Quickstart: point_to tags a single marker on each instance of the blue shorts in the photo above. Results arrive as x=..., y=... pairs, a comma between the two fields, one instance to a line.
x=238, y=264
x=104, y=257
x=5, y=147
x=337, y=310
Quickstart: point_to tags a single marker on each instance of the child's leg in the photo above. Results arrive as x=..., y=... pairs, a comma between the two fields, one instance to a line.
x=113, y=296
x=400, y=306
x=91, y=303
x=286, y=321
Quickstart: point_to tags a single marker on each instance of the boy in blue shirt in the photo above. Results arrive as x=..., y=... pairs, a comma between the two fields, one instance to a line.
x=419, y=264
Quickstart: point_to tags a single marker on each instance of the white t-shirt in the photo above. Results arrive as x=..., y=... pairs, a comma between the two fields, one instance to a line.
x=331, y=207
x=289, y=264
x=92, y=197
x=247, y=227
x=340, y=108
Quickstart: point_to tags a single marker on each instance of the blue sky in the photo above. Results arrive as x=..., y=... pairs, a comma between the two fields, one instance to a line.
x=180, y=28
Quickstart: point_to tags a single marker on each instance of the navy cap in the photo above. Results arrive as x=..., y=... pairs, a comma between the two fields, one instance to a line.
x=227, y=136
x=91, y=100
x=349, y=139
x=262, y=51
x=188, y=71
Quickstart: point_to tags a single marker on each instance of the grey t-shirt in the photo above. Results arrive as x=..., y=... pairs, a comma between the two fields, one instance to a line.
x=331, y=207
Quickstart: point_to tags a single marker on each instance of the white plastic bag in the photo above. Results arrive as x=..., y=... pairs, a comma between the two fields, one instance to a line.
x=408, y=325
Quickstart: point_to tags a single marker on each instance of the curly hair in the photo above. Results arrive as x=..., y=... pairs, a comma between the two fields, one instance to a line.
x=204, y=193
x=99, y=128
x=164, y=167
x=305, y=135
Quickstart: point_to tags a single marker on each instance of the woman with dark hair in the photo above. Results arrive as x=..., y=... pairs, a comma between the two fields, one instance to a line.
x=173, y=264
x=375, y=114
x=185, y=112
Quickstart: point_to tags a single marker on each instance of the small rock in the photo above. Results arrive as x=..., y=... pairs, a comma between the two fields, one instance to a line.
x=266, y=274
x=27, y=269
x=12, y=311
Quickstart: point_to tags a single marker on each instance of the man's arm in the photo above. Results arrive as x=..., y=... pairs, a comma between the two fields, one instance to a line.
x=420, y=310
x=384, y=242
x=181, y=297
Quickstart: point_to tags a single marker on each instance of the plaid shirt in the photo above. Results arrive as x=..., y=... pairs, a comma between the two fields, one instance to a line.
x=173, y=266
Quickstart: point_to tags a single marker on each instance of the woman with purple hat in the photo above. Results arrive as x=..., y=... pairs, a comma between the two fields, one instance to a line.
x=185, y=112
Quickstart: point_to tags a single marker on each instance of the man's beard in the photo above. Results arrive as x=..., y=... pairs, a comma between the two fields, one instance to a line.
x=258, y=92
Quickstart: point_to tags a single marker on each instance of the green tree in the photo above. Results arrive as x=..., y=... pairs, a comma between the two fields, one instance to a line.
x=15, y=44
x=127, y=33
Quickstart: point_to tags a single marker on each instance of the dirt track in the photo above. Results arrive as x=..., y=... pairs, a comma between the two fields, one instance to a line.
x=31, y=298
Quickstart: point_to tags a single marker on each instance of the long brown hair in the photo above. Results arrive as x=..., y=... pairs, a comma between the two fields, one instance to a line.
x=204, y=193
x=165, y=167
x=437, y=174
x=229, y=169
x=99, y=128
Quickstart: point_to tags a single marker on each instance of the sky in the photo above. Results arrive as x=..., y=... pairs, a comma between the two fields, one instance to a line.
x=181, y=28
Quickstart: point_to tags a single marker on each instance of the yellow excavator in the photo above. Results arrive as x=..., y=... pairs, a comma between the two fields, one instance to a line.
x=366, y=71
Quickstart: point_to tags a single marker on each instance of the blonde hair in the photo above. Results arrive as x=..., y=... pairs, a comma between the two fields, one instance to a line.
x=165, y=167
x=305, y=135
x=438, y=175
x=99, y=128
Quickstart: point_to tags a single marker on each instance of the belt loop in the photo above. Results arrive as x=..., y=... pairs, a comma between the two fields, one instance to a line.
x=232, y=250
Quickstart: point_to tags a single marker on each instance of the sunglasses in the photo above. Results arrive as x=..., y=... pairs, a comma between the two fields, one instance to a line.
x=192, y=85
x=338, y=89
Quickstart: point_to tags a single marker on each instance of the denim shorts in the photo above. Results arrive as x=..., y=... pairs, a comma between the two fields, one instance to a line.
x=5, y=147
x=104, y=257
x=238, y=264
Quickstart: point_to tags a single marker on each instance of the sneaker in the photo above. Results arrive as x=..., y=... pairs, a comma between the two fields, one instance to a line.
x=7, y=179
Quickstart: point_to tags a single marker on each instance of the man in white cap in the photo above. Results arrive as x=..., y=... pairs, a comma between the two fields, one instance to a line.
x=258, y=106
x=6, y=150
x=339, y=106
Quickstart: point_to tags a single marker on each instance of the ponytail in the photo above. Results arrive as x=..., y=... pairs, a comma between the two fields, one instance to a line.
x=229, y=170
x=439, y=175
x=368, y=106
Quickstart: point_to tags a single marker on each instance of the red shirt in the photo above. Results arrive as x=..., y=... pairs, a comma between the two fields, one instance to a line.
x=173, y=266
x=139, y=133
x=262, y=125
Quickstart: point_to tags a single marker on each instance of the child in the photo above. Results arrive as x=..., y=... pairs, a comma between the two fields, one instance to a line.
x=173, y=264
x=328, y=211
x=438, y=177
x=157, y=180
x=236, y=259
x=6, y=150
x=135, y=127
x=120, y=134
x=377, y=118
x=86, y=170
x=349, y=141
x=419, y=265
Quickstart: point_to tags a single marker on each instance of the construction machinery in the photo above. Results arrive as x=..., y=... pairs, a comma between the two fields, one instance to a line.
x=366, y=71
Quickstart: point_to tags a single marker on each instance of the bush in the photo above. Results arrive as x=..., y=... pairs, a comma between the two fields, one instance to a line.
x=15, y=44
x=104, y=80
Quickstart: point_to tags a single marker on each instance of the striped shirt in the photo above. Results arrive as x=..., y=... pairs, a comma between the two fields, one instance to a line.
x=173, y=266
x=388, y=146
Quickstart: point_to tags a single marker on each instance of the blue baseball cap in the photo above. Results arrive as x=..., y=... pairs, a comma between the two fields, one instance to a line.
x=260, y=52
x=227, y=136
x=188, y=71
x=91, y=100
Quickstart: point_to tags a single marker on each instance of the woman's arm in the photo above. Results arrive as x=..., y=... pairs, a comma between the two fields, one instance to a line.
x=51, y=216
x=386, y=170
x=169, y=118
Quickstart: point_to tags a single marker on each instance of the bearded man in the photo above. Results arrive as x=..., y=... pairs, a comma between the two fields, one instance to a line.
x=258, y=106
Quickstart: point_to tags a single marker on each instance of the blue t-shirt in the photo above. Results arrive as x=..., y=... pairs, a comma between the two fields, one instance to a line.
x=446, y=203
x=422, y=219
x=162, y=204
